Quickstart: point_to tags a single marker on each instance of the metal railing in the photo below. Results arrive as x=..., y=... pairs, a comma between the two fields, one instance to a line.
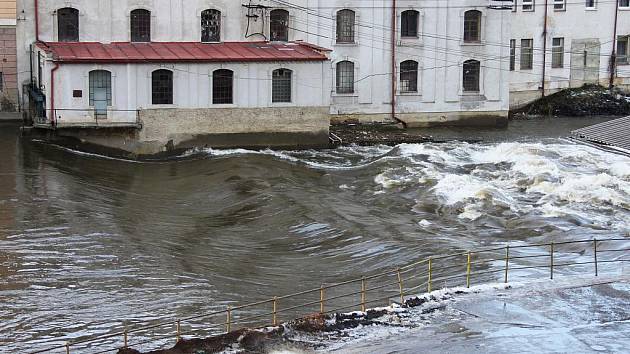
x=457, y=269
x=97, y=118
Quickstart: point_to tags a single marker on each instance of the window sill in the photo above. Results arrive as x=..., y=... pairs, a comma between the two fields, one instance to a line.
x=624, y=8
x=409, y=94
x=472, y=44
x=162, y=106
x=590, y=9
x=282, y=104
x=223, y=105
x=470, y=93
x=354, y=94
x=410, y=41
x=346, y=44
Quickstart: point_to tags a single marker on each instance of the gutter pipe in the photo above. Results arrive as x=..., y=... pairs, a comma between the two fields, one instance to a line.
x=613, y=57
x=52, y=94
x=544, y=59
x=36, y=20
x=394, y=77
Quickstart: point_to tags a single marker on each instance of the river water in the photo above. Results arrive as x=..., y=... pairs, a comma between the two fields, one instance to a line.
x=88, y=244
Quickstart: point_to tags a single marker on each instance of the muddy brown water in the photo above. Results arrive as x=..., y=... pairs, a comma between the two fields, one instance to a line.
x=89, y=244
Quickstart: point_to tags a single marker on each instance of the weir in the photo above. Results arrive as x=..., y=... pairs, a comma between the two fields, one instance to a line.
x=611, y=135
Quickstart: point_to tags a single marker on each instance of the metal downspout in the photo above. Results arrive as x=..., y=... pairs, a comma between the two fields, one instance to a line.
x=52, y=94
x=394, y=76
x=613, y=57
x=544, y=58
x=36, y=20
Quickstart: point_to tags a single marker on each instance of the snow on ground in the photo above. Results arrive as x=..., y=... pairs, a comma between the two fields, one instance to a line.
x=584, y=315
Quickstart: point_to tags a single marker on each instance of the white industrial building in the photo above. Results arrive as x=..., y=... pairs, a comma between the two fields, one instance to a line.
x=281, y=70
x=581, y=38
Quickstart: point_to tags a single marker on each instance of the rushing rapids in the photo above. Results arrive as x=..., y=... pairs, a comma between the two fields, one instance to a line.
x=89, y=244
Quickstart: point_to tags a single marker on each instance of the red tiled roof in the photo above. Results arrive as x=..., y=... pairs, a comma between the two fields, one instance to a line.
x=125, y=52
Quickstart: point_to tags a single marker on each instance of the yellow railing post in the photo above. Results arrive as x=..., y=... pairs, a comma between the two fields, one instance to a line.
x=595, y=255
x=125, y=338
x=228, y=321
x=362, y=294
x=468, y=271
x=507, y=262
x=275, y=311
x=178, y=328
x=321, y=299
x=430, y=274
x=551, y=260
x=400, y=286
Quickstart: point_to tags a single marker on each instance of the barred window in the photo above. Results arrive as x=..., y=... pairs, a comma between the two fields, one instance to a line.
x=345, y=26
x=409, y=76
x=512, y=54
x=409, y=23
x=211, y=25
x=162, y=87
x=590, y=4
x=528, y=5
x=281, y=85
x=472, y=26
x=527, y=54
x=68, y=25
x=222, y=86
x=345, y=77
x=559, y=5
x=140, y=25
x=100, y=86
x=557, y=52
x=471, y=71
x=279, y=25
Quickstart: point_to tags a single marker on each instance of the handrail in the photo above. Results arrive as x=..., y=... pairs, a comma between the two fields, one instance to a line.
x=428, y=274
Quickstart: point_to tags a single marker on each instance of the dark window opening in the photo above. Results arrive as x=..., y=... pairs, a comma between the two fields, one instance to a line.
x=279, y=26
x=140, y=25
x=345, y=77
x=409, y=76
x=409, y=23
x=162, y=87
x=345, y=26
x=471, y=76
x=68, y=25
x=281, y=85
x=472, y=26
x=211, y=26
x=222, y=86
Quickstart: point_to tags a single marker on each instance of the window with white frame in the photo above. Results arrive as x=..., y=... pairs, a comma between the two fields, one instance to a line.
x=527, y=54
x=100, y=87
x=527, y=5
x=279, y=25
x=409, y=76
x=590, y=4
x=345, y=26
x=472, y=26
x=409, y=21
x=222, y=86
x=140, y=23
x=559, y=5
x=210, y=25
x=623, y=50
x=471, y=74
x=557, y=52
x=281, y=86
x=162, y=87
x=624, y=3
x=68, y=24
x=345, y=77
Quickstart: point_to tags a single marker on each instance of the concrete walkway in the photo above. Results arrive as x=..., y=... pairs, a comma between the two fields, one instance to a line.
x=10, y=116
x=572, y=316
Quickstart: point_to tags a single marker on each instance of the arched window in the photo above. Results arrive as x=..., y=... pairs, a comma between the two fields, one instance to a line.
x=222, y=86
x=471, y=76
x=345, y=26
x=409, y=76
x=211, y=25
x=100, y=87
x=472, y=26
x=162, y=87
x=409, y=21
x=68, y=25
x=279, y=25
x=140, y=25
x=345, y=77
x=281, y=85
